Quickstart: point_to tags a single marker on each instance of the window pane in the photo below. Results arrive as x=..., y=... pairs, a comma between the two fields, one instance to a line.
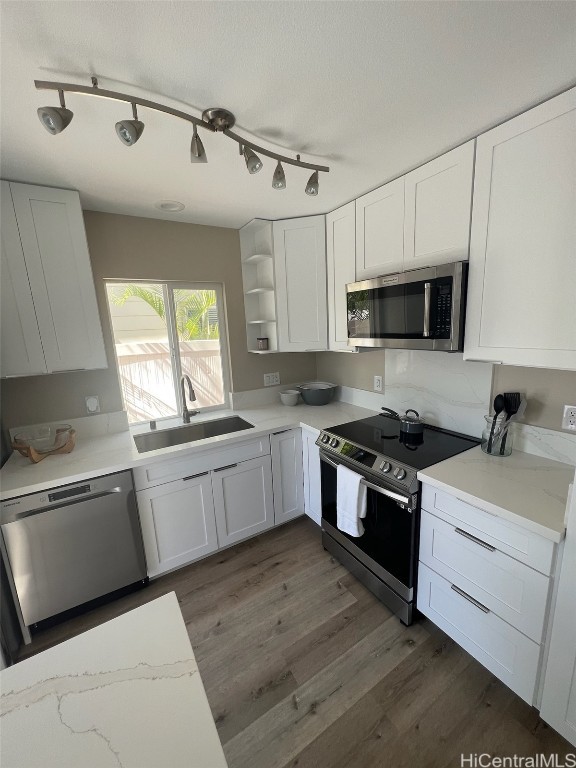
x=143, y=351
x=199, y=344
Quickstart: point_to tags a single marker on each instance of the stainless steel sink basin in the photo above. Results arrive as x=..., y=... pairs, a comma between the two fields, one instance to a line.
x=151, y=441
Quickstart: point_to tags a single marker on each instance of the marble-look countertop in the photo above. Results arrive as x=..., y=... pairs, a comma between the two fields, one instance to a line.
x=528, y=490
x=127, y=694
x=117, y=452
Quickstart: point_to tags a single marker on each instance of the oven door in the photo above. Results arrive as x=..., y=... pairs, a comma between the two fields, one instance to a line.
x=419, y=309
x=388, y=546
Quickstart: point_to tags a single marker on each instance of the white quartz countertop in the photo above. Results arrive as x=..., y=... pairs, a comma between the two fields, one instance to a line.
x=126, y=694
x=117, y=452
x=528, y=490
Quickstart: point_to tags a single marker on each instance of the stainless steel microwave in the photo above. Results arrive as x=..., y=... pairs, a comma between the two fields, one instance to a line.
x=418, y=309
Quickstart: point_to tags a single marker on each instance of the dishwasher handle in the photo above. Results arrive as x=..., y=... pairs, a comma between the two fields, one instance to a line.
x=67, y=503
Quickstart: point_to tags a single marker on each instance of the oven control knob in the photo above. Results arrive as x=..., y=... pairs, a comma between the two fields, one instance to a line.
x=325, y=438
x=385, y=466
x=399, y=473
x=334, y=443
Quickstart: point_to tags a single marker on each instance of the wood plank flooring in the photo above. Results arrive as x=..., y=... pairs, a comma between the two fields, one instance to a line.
x=304, y=668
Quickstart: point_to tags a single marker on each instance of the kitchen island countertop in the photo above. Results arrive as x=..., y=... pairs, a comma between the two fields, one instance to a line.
x=127, y=693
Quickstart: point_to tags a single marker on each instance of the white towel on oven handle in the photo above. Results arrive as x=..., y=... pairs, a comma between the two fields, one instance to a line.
x=350, y=501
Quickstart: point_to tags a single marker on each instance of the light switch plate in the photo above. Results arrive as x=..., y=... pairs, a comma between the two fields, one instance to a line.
x=92, y=404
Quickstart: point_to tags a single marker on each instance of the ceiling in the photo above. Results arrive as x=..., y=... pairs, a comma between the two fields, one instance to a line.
x=371, y=89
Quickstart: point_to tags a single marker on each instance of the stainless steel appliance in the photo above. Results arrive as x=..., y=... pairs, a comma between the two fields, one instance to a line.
x=385, y=557
x=418, y=309
x=68, y=545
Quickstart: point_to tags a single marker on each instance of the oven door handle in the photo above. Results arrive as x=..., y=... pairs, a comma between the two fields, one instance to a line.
x=405, y=500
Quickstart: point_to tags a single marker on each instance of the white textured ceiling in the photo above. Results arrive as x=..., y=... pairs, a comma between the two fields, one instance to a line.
x=370, y=88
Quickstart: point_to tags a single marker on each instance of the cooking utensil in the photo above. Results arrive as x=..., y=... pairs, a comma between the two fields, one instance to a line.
x=409, y=425
x=511, y=404
x=499, y=405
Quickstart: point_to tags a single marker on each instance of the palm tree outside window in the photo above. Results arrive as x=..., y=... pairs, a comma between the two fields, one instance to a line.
x=162, y=331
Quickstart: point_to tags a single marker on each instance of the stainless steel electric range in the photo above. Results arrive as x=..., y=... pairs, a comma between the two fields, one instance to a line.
x=385, y=557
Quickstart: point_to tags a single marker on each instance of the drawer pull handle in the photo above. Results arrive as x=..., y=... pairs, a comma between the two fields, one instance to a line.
x=191, y=477
x=481, y=543
x=470, y=599
x=228, y=466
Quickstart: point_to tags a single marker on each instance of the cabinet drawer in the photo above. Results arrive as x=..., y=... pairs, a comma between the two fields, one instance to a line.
x=515, y=592
x=505, y=651
x=193, y=463
x=513, y=540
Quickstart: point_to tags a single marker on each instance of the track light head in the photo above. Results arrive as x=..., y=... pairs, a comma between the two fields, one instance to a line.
x=312, y=185
x=55, y=119
x=197, y=151
x=279, y=179
x=253, y=162
x=129, y=131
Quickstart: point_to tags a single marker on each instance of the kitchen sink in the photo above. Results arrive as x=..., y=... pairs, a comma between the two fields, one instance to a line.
x=188, y=433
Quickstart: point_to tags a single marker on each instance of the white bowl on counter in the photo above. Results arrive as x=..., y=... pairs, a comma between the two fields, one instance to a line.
x=290, y=397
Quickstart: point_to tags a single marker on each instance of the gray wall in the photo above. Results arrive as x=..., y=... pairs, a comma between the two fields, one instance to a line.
x=128, y=247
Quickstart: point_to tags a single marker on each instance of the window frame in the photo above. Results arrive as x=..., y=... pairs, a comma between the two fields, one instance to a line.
x=168, y=287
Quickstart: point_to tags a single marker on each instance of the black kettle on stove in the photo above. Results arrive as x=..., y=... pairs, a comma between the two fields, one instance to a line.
x=409, y=425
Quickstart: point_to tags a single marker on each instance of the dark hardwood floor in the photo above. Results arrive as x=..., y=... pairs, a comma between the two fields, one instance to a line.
x=304, y=668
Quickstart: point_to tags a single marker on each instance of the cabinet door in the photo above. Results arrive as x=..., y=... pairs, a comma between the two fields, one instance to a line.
x=340, y=269
x=56, y=254
x=559, y=693
x=521, y=307
x=178, y=524
x=243, y=500
x=438, y=200
x=287, y=481
x=380, y=231
x=22, y=353
x=300, y=266
x=311, y=461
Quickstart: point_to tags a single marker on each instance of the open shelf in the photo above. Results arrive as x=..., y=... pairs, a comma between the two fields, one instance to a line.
x=260, y=322
x=254, y=291
x=263, y=351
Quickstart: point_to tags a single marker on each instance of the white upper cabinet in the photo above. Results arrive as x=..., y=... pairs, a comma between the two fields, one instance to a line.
x=49, y=293
x=521, y=308
x=380, y=231
x=300, y=270
x=340, y=269
x=438, y=199
x=22, y=353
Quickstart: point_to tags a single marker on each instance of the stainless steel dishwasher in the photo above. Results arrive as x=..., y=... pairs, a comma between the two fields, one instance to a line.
x=68, y=545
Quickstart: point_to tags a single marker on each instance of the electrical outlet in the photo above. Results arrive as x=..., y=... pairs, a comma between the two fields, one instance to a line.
x=569, y=418
x=92, y=404
x=377, y=383
x=271, y=379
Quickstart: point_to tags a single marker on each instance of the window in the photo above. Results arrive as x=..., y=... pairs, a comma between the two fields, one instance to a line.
x=161, y=332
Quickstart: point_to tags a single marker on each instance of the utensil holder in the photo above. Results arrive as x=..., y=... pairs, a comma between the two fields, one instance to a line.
x=502, y=439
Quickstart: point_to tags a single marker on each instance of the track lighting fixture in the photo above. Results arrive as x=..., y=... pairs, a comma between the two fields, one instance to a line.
x=197, y=151
x=214, y=119
x=279, y=178
x=55, y=119
x=129, y=131
x=313, y=184
x=253, y=162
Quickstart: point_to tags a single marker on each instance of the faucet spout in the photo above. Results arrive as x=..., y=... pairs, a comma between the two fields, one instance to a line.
x=191, y=396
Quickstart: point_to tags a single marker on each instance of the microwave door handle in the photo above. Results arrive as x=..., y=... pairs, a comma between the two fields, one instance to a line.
x=427, y=307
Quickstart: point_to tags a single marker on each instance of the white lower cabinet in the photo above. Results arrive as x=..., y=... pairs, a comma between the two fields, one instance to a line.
x=286, y=452
x=243, y=500
x=178, y=524
x=311, y=461
x=486, y=583
x=559, y=692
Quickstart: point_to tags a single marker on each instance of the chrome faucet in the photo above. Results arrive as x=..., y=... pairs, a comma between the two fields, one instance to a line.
x=191, y=395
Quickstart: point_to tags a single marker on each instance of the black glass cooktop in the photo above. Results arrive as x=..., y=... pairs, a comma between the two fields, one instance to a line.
x=381, y=434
